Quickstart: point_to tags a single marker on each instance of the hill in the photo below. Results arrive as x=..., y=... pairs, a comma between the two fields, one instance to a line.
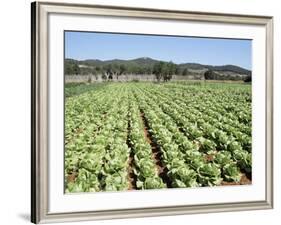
x=144, y=65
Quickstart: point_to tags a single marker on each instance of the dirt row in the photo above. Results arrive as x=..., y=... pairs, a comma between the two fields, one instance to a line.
x=156, y=153
x=131, y=175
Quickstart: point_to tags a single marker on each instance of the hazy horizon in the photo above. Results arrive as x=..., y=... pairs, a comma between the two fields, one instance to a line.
x=180, y=50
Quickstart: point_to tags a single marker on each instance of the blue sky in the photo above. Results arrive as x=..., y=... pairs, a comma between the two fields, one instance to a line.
x=105, y=46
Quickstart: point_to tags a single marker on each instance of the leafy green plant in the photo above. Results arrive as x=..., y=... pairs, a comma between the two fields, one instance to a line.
x=209, y=175
x=85, y=182
x=154, y=182
x=244, y=159
x=92, y=162
x=206, y=144
x=183, y=177
x=116, y=181
x=231, y=172
x=223, y=158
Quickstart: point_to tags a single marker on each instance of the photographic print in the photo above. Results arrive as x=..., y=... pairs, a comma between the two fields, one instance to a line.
x=155, y=112
x=141, y=112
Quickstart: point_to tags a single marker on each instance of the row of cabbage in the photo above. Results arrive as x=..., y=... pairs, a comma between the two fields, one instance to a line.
x=98, y=157
x=211, y=133
x=186, y=159
x=144, y=165
x=233, y=145
x=203, y=134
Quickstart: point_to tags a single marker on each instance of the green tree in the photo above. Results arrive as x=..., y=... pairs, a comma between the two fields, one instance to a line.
x=119, y=70
x=169, y=70
x=108, y=72
x=209, y=75
x=98, y=69
x=185, y=72
x=177, y=71
x=248, y=79
x=103, y=77
x=76, y=69
x=158, y=70
x=164, y=70
x=71, y=67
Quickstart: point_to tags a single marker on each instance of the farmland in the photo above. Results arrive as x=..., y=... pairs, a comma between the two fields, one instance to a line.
x=137, y=135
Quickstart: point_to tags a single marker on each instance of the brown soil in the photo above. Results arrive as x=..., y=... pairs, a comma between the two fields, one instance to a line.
x=72, y=177
x=79, y=130
x=209, y=158
x=156, y=153
x=248, y=175
x=131, y=175
x=244, y=180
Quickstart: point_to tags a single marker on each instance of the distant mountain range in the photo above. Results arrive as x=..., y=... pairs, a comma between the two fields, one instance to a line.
x=195, y=68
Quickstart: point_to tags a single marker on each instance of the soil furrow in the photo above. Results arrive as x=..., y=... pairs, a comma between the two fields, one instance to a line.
x=156, y=152
x=132, y=178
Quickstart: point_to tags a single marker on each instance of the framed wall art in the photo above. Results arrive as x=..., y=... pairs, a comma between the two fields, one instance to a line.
x=147, y=112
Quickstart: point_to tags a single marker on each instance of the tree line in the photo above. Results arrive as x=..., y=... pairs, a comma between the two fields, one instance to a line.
x=213, y=75
x=162, y=70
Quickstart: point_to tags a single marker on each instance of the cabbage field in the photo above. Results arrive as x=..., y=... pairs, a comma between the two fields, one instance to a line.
x=137, y=135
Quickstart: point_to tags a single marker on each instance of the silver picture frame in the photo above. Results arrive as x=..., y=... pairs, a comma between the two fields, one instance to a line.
x=40, y=102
